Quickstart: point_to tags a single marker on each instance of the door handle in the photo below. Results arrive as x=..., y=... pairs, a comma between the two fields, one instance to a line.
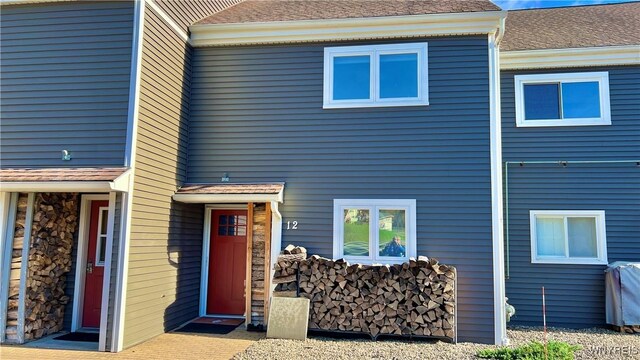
x=89, y=267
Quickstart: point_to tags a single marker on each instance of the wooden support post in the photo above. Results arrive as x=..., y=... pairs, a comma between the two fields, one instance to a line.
x=24, y=269
x=7, y=249
x=267, y=262
x=247, y=288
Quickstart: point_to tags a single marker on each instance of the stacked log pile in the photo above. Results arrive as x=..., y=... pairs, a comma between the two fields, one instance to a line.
x=286, y=271
x=55, y=222
x=416, y=298
x=16, y=263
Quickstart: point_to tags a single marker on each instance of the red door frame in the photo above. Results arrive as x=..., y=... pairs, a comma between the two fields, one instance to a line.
x=226, y=288
x=94, y=271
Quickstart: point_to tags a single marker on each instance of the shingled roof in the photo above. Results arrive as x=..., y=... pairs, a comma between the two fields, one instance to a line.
x=572, y=27
x=252, y=11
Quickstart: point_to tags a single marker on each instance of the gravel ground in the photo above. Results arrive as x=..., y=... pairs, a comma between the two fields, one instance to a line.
x=596, y=344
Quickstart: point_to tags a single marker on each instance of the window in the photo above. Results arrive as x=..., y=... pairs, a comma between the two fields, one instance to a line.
x=374, y=231
x=375, y=75
x=568, y=237
x=562, y=99
x=101, y=247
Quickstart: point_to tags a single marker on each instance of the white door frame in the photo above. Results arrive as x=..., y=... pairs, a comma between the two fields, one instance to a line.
x=206, y=246
x=81, y=259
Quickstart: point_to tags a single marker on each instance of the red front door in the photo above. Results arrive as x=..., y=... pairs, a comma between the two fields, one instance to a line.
x=95, y=264
x=227, y=262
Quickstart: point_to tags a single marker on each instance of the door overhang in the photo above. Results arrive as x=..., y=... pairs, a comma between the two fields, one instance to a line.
x=228, y=193
x=65, y=180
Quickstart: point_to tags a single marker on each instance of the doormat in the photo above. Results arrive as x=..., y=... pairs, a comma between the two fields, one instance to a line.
x=217, y=321
x=196, y=328
x=79, y=336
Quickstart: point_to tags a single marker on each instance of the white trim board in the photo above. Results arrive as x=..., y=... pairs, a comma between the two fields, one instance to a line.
x=497, y=235
x=7, y=249
x=383, y=27
x=572, y=57
x=106, y=280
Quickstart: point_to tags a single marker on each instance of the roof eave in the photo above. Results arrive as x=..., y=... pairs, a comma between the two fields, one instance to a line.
x=281, y=32
x=571, y=57
x=227, y=198
x=119, y=184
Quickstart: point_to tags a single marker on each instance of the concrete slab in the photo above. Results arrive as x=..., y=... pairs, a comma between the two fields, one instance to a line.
x=288, y=318
x=49, y=342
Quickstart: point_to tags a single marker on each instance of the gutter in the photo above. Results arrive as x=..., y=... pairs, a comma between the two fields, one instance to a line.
x=384, y=27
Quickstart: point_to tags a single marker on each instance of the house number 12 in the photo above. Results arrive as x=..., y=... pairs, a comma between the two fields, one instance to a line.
x=292, y=225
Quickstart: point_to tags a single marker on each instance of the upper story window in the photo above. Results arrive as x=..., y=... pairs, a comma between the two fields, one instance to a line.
x=375, y=230
x=568, y=237
x=375, y=75
x=562, y=99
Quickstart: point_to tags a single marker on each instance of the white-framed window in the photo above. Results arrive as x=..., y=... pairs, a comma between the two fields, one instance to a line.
x=568, y=237
x=101, y=236
x=374, y=230
x=568, y=99
x=376, y=75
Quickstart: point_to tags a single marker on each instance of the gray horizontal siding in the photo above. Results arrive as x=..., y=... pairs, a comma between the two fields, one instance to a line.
x=65, y=83
x=575, y=293
x=256, y=113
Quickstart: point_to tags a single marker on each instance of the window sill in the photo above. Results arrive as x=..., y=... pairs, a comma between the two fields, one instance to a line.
x=373, y=105
x=376, y=262
x=570, y=261
x=572, y=122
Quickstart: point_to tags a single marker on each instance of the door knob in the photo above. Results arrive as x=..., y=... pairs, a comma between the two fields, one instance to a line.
x=89, y=267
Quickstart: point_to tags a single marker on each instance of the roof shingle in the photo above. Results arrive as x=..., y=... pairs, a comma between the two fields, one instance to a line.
x=60, y=174
x=227, y=188
x=293, y=10
x=572, y=27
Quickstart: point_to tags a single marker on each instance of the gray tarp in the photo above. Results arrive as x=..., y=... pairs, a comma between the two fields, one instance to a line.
x=623, y=293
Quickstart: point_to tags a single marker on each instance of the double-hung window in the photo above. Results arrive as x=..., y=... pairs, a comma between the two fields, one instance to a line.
x=374, y=231
x=568, y=237
x=376, y=75
x=568, y=99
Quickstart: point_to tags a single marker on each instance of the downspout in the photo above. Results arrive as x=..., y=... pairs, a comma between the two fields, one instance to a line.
x=546, y=162
x=497, y=202
x=500, y=31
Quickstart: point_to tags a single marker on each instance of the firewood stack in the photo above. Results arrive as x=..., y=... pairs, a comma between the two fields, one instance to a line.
x=55, y=220
x=416, y=298
x=286, y=271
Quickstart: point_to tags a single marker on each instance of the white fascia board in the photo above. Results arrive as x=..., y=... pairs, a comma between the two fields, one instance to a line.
x=227, y=198
x=346, y=29
x=574, y=57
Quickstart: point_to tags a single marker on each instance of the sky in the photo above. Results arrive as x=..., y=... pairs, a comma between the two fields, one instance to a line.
x=529, y=4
